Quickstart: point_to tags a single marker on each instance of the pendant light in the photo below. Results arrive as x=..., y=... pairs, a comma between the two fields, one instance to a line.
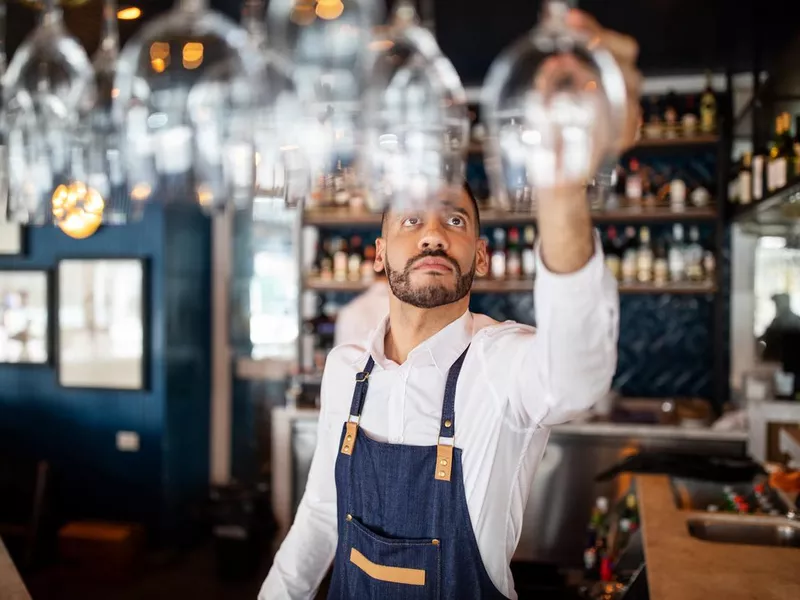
x=416, y=121
x=156, y=72
x=46, y=79
x=554, y=104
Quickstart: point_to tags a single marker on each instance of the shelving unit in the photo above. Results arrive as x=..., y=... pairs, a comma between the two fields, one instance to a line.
x=492, y=286
x=662, y=142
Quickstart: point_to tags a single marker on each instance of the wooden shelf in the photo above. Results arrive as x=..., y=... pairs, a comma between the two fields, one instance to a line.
x=769, y=209
x=493, y=286
x=337, y=217
x=705, y=139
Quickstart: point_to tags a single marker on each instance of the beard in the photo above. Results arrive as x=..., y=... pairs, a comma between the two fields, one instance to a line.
x=432, y=295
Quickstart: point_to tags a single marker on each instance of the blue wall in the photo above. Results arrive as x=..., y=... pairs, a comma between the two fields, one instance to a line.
x=76, y=429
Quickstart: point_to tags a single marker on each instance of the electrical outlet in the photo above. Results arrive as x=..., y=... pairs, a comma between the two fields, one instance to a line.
x=127, y=441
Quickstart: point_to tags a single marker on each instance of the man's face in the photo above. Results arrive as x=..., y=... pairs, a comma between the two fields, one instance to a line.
x=431, y=257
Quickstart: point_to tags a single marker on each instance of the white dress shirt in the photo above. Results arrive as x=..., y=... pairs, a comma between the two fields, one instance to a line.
x=516, y=382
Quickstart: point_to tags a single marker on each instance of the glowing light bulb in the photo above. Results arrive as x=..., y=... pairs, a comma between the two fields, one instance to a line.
x=77, y=209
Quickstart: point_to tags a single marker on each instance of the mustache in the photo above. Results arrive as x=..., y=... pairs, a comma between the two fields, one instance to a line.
x=434, y=254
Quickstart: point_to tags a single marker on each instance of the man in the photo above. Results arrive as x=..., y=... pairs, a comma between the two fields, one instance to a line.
x=430, y=433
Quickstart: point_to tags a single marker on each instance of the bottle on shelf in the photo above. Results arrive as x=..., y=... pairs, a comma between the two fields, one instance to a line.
x=354, y=259
x=745, y=180
x=654, y=127
x=629, y=256
x=633, y=183
x=660, y=264
x=644, y=257
x=776, y=167
x=677, y=255
x=671, y=116
x=708, y=108
x=796, y=148
x=694, y=255
x=611, y=252
x=326, y=260
x=677, y=195
x=498, y=261
x=528, y=253
x=340, y=260
x=689, y=120
x=758, y=173
x=341, y=196
x=513, y=257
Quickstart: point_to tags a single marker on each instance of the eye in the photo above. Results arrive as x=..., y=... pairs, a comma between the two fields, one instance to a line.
x=411, y=221
x=456, y=221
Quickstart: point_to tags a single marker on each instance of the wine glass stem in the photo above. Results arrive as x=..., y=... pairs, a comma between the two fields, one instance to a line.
x=3, y=13
x=51, y=12
x=193, y=5
x=110, y=39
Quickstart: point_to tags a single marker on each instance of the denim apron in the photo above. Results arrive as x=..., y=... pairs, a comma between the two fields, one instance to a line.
x=404, y=527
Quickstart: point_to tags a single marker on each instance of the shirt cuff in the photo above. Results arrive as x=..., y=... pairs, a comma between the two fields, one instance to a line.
x=585, y=278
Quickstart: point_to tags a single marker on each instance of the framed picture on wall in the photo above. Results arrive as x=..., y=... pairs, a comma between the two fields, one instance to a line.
x=102, y=323
x=24, y=317
x=10, y=239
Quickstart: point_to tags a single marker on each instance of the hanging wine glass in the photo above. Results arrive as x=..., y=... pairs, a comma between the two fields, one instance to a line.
x=416, y=120
x=97, y=176
x=241, y=121
x=327, y=42
x=155, y=75
x=4, y=207
x=45, y=81
x=554, y=104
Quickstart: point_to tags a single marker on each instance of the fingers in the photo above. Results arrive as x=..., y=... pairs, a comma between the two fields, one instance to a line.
x=622, y=46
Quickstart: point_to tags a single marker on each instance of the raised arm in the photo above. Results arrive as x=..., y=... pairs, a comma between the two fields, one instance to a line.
x=308, y=550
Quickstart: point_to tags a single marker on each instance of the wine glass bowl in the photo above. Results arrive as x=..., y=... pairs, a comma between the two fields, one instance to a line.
x=554, y=104
x=416, y=118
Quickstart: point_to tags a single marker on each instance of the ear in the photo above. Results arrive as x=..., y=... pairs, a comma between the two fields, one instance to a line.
x=380, y=255
x=481, y=258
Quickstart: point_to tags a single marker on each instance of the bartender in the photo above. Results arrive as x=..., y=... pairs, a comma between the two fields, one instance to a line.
x=431, y=430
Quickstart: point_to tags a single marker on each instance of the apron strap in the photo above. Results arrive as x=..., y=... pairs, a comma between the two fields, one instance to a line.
x=359, y=395
x=444, y=449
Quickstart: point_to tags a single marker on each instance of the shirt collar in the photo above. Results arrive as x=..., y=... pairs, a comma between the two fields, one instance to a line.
x=444, y=347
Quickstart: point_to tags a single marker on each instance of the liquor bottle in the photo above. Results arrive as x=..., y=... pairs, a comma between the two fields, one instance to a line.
x=498, y=262
x=694, y=255
x=341, y=196
x=677, y=195
x=709, y=265
x=355, y=259
x=654, y=127
x=776, y=167
x=644, y=257
x=513, y=258
x=708, y=108
x=368, y=265
x=611, y=252
x=745, y=180
x=677, y=255
x=528, y=253
x=660, y=264
x=629, y=256
x=689, y=119
x=340, y=259
x=759, y=163
x=326, y=260
x=633, y=183
x=671, y=116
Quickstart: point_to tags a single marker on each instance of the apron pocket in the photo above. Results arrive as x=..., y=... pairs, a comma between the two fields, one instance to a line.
x=389, y=568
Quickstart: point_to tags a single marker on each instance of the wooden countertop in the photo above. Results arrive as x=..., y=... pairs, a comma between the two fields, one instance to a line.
x=681, y=567
x=11, y=586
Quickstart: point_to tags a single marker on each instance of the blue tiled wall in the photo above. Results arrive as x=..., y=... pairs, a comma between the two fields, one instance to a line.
x=76, y=429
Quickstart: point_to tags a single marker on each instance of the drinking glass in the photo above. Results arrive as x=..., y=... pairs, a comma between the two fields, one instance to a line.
x=554, y=104
x=46, y=79
x=416, y=119
x=156, y=73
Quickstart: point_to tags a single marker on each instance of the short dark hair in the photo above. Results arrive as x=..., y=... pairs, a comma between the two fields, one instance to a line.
x=473, y=199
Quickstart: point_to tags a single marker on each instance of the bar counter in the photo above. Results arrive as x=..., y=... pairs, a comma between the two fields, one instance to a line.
x=683, y=567
x=11, y=586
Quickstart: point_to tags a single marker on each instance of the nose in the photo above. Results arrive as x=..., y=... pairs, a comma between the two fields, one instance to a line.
x=434, y=236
